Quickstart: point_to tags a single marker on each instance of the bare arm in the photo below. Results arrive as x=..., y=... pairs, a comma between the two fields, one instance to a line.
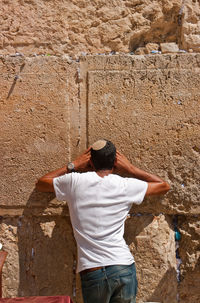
x=156, y=185
x=82, y=163
x=45, y=183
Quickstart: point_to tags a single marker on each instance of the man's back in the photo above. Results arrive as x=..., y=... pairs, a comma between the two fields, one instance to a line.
x=98, y=209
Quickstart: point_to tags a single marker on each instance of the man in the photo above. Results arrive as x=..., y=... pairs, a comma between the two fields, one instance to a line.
x=99, y=202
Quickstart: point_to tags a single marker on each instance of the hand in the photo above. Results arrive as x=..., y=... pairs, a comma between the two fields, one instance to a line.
x=83, y=162
x=122, y=164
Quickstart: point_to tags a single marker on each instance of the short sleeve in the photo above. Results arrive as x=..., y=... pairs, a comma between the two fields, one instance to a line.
x=136, y=190
x=62, y=187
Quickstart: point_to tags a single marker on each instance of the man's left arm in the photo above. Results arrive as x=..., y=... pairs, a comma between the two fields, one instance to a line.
x=156, y=185
x=81, y=164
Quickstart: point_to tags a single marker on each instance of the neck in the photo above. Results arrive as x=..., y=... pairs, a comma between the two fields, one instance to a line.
x=103, y=173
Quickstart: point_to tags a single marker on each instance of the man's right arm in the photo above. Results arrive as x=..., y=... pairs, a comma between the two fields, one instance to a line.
x=82, y=163
x=156, y=185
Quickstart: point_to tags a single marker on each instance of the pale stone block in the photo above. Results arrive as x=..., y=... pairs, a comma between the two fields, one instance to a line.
x=190, y=255
x=190, y=31
x=151, y=47
x=150, y=110
x=41, y=256
x=169, y=47
x=151, y=240
x=39, y=124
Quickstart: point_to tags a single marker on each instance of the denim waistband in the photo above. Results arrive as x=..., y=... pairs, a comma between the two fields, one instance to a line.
x=108, y=271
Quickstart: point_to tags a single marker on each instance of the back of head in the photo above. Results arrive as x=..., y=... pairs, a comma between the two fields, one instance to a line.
x=103, y=153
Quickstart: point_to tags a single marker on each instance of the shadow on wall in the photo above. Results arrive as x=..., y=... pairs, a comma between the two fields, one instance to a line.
x=133, y=230
x=189, y=290
x=151, y=240
x=47, y=250
x=164, y=29
x=164, y=289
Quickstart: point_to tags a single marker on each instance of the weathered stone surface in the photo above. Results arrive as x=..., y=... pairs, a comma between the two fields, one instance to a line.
x=149, y=106
x=189, y=290
x=169, y=47
x=58, y=27
x=151, y=47
x=11, y=270
x=52, y=110
x=190, y=30
x=41, y=256
x=152, y=243
x=37, y=102
x=140, y=51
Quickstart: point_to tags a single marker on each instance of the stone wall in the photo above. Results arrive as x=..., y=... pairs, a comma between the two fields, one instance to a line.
x=151, y=102
x=58, y=27
x=39, y=107
x=52, y=108
x=54, y=104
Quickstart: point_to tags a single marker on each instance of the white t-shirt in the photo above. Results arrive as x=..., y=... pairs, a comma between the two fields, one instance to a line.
x=98, y=209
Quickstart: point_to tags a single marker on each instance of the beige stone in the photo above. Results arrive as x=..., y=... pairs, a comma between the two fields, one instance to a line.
x=190, y=30
x=95, y=27
x=140, y=51
x=151, y=47
x=41, y=258
x=169, y=48
x=148, y=106
x=11, y=269
x=52, y=108
x=190, y=255
x=151, y=240
x=36, y=122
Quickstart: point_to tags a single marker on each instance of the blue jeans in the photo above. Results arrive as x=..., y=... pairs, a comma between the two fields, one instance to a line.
x=111, y=284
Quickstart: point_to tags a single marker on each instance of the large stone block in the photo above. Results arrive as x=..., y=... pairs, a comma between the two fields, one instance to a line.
x=151, y=240
x=189, y=250
x=39, y=125
x=169, y=48
x=39, y=102
x=149, y=107
x=41, y=256
x=190, y=29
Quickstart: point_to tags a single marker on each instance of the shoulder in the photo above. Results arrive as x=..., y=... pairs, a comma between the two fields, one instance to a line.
x=66, y=178
x=82, y=177
x=130, y=183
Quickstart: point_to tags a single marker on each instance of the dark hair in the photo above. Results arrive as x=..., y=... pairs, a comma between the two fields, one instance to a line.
x=104, y=158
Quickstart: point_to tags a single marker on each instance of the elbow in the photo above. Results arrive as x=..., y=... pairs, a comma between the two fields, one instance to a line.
x=166, y=187
x=38, y=186
x=45, y=185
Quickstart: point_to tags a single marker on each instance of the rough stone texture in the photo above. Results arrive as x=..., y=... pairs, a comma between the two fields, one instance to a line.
x=151, y=47
x=41, y=255
x=52, y=110
x=152, y=243
x=190, y=30
x=37, y=102
x=72, y=27
x=169, y=48
x=189, y=290
x=149, y=106
x=11, y=275
x=43, y=263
